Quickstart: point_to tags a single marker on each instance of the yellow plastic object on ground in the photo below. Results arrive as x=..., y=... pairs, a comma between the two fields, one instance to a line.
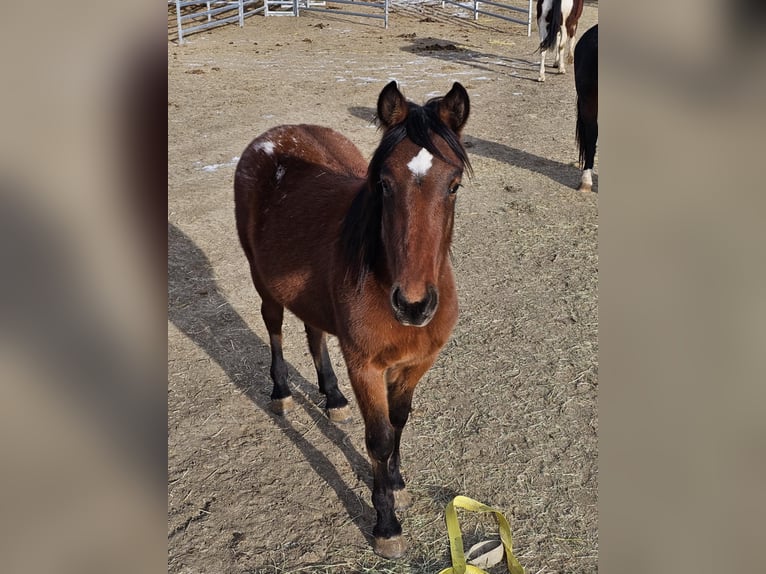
x=459, y=564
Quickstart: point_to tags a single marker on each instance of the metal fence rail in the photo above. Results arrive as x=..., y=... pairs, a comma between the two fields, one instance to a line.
x=198, y=15
x=201, y=15
x=477, y=10
x=311, y=7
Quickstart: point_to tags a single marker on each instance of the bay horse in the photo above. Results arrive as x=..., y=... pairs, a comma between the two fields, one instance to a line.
x=360, y=252
x=557, y=24
x=586, y=85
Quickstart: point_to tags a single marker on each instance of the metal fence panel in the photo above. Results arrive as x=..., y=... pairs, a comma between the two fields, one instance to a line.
x=475, y=7
x=198, y=15
x=308, y=6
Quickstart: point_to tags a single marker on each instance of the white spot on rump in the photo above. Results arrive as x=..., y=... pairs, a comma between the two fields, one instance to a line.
x=265, y=146
x=421, y=163
x=280, y=173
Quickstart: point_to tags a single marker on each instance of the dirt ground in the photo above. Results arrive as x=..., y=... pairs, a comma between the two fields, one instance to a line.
x=507, y=415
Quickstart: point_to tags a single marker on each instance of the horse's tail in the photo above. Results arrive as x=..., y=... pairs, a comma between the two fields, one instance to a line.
x=557, y=19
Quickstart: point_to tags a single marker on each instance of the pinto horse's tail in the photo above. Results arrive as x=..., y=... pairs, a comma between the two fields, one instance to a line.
x=557, y=19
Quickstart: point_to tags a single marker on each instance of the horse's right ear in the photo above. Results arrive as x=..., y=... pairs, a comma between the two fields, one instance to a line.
x=455, y=107
x=392, y=106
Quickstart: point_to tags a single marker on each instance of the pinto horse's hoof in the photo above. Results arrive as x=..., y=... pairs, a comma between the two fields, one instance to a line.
x=585, y=187
x=402, y=499
x=282, y=406
x=339, y=415
x=391, y=548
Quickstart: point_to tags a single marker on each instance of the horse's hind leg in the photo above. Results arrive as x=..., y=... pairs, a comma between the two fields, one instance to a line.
x=336, y=405
x=560, y=47
x=589, y=139
x=571, y=45
x=587, y=121
x=281, y=398
x=542, y=27
x=571, y=30
x=541, y=77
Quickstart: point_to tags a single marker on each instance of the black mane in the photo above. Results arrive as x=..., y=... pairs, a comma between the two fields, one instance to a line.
x=361, y=235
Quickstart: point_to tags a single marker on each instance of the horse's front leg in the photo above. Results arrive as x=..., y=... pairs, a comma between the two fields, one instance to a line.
x=561, y=40
x=379, y=434
x=401, y=385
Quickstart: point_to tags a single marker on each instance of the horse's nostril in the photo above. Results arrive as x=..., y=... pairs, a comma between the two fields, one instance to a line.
x=432, y=297
x=398, y=301
x=396, y=298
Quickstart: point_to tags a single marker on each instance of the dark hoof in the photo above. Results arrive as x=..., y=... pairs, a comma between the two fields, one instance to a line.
x=339, y=415
x=282, y=406
x=391, y=548
x=402, y=499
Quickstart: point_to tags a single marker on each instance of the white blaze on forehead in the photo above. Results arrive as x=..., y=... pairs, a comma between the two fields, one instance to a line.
x=265, y=146
x=421, y=163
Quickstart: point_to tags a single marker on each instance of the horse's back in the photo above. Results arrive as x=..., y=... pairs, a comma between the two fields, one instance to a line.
x=292, y=188
x=284, y=167
x=307, y=148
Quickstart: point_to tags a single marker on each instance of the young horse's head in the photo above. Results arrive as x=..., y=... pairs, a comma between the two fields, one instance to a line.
x=400, y=225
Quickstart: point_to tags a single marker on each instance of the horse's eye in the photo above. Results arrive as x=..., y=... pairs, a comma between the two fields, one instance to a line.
x=385, y=189
x=454, y=188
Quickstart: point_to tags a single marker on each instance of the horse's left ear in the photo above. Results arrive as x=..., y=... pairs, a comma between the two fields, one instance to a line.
x=454, y=108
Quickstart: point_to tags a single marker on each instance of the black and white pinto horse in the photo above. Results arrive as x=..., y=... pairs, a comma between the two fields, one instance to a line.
x=557, y=24
x=586, y=84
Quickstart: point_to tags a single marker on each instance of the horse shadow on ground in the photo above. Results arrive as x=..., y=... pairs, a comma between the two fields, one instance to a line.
x=448, y=51
x=567, y=175
x=200, y=311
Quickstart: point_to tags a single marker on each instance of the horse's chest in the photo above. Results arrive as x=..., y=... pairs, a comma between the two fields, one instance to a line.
x=409, y=346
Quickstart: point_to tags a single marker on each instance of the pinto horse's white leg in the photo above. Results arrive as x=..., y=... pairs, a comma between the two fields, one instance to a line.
x=542, y=27
x=571, y=44
x=560, y=46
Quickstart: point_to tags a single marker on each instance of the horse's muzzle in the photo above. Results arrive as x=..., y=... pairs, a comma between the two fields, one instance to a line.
x=418, y=313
